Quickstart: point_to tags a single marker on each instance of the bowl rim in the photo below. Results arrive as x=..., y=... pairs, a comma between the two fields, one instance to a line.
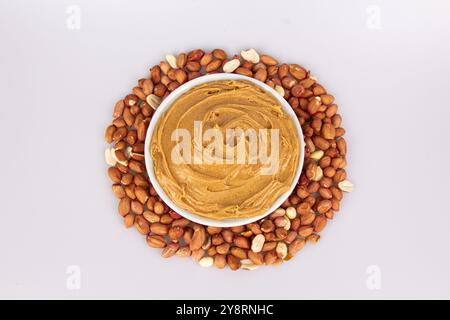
x=165, y=105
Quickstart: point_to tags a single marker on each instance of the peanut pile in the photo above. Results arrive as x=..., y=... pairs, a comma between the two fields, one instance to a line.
x=269, y=241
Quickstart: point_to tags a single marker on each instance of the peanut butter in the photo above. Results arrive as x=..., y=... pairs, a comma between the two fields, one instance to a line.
x=224, y=171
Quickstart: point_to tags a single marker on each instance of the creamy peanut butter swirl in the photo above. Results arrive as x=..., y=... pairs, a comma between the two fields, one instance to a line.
x=229, y=189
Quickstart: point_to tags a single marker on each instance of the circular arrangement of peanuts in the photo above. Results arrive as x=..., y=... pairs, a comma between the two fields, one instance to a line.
x=269, y=241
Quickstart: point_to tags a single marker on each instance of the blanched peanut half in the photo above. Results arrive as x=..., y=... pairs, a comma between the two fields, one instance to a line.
x=258, y=243
x=346, y=186
x=153, y=100
x=109, y=157
x=231, y=65
x=172, y=61
x=247, y=264
x=250, y=55
x=280, y=90
x=291, y=213
x=206, y=262
x=317, y=155
x=281, y=250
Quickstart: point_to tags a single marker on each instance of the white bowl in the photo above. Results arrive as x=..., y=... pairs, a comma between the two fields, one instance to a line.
x=165, y=105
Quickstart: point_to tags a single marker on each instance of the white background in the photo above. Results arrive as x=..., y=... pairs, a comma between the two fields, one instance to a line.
x=58, y=87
